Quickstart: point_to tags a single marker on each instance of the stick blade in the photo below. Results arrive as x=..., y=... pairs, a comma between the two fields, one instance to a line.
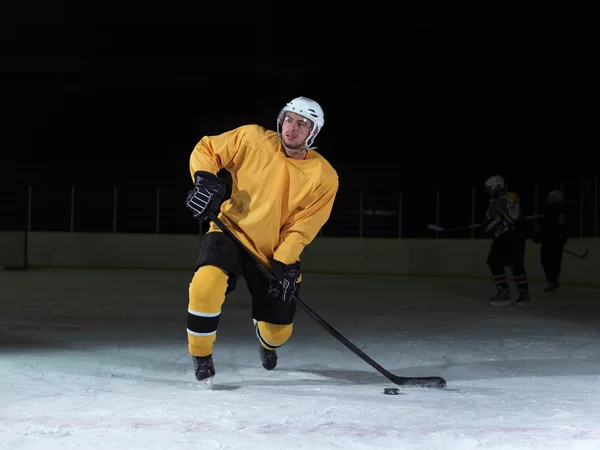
x=435, y=227
x=420, y=382
x=579, y=255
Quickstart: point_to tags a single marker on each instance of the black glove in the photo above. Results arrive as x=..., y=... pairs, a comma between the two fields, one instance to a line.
x=497, y=206
x=207, y=196
x=490, y=223
x=286, y=284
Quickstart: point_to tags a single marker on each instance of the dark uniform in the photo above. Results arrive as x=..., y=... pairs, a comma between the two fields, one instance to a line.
x=552, y=235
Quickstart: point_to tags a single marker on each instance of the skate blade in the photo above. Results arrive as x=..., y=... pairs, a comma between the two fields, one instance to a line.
x=500, y=304
x=209, y=383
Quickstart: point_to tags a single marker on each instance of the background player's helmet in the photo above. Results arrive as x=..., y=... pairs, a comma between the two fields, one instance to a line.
x=555, y=197
x=495, y=182
x=494, y=185
x=307, y=108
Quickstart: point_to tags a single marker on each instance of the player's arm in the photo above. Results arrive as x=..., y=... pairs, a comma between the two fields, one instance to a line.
x=213, y=153
x=209, y=156
x=304, y=224
x=299, y=230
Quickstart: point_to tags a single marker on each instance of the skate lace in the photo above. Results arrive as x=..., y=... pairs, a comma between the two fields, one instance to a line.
x=202, y=363
x=268, y=355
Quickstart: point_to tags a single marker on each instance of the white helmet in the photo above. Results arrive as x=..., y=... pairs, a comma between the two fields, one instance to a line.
x=307, y=108
x=495, y=182
x=555, y=197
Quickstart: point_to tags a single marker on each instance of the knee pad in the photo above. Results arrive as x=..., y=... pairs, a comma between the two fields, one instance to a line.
x=272, y=336
x=206, y=297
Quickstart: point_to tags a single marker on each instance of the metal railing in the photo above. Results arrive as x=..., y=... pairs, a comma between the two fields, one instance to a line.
x=357, y=213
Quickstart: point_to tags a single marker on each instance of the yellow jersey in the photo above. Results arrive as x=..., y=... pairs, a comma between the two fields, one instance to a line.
x=277, y=204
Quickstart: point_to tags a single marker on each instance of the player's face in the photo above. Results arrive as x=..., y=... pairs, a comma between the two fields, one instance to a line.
x=492, y=192
x=295, y=129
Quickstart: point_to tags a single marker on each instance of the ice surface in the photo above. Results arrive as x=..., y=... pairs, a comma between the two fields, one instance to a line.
x=98, y=359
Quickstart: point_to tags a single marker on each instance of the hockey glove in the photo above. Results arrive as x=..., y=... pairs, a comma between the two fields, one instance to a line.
x=490, y=223
x=286, y=284
x=207, y=195
x=497, y=206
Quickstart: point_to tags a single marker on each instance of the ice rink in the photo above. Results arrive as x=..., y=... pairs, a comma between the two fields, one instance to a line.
x=98, y=360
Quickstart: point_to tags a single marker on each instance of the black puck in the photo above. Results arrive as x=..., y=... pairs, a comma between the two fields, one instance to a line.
x=391, y=391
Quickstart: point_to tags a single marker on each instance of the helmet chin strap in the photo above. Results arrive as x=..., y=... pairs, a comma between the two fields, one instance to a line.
x=291, y=150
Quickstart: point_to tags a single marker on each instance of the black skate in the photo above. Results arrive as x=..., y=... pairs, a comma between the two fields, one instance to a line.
x=267, y=357
x=204, y=369
x=552, y=286
x=502, y=298
x=524, y=300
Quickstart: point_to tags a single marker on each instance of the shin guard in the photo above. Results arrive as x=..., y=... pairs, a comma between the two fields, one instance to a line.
x=272, y=336
x=206, y=297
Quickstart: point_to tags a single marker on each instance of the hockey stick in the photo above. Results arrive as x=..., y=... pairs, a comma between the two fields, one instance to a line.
x=579, y=255
x=476, y=225
x=437, y=228
x=424, y=382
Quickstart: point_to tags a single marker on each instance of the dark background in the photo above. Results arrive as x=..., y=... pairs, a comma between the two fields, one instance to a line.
x=98, y=97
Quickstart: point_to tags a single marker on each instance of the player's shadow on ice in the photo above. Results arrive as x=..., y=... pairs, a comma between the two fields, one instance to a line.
x=349, y=376
x=225, y=387
x=312, y=377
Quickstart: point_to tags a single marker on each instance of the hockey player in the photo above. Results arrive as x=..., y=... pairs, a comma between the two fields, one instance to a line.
x=282, y=194
x=552, y=235
x=503, y=218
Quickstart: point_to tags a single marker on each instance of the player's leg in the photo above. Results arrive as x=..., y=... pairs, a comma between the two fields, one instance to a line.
x=553, y=252
x=560, y=247
x=546, y=261
x=215, y=277
x=497, y=261
x=273, y=320
x=518, y=268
